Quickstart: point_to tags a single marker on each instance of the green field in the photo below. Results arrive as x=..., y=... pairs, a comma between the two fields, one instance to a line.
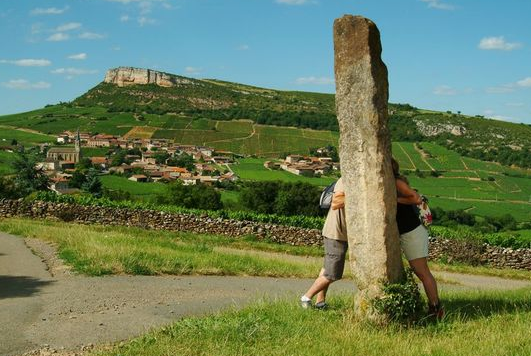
x=143, y=191
x=23, y=138
x=253, y=169
x=6, y=158
x=247, y=138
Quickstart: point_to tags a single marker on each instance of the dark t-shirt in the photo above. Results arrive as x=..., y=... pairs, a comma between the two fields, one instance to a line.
x=406, y=218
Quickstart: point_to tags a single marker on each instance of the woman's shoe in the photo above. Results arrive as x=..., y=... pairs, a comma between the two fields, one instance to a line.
x=436, y=311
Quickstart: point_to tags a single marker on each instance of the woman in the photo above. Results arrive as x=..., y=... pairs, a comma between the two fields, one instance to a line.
x=414, y=239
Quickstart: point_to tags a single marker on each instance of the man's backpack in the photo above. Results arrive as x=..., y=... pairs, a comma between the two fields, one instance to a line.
x=424, y=212
x=325, y=202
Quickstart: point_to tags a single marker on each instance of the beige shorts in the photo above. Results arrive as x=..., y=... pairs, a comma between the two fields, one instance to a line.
x=415, y=243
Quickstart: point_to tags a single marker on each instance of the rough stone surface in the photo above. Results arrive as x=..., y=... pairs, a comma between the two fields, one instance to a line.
x=448, y=250
x=365, y=152
x=123, y=76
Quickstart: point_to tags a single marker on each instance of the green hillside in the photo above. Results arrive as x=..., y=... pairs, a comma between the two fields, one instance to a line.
x=446, y=153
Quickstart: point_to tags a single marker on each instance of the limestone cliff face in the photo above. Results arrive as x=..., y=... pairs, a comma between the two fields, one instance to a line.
x=124, y=76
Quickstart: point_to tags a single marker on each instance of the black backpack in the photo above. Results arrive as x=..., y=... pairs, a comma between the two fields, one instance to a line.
x=326, y=196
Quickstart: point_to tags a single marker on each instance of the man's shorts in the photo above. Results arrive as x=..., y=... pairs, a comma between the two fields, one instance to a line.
x=415, y=243
x=334, y=260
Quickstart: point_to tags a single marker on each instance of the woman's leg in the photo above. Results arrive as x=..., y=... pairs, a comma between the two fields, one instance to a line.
x=421, y=269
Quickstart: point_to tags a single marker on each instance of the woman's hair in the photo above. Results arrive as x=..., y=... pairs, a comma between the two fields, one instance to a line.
x=396, y=171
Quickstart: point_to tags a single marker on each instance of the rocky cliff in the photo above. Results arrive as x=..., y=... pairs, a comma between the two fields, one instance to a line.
x=123, y=76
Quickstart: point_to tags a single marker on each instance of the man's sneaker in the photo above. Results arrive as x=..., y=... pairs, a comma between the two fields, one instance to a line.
x=321, y=305
x=436, y=311
x=306, y=304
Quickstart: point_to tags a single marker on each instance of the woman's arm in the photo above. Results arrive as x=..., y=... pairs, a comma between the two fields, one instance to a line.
x=406, y=195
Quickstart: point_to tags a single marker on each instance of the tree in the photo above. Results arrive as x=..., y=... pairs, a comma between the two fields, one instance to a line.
x=29, y=178
x=161, y=157
x=92, y=183
x=14, y=142
x=183, y=160
x=198, y=196
x=281, y=198
x=8, y=189
x=77, y=180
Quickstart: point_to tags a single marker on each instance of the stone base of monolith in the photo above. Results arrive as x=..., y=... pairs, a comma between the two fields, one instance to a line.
x=365, y=156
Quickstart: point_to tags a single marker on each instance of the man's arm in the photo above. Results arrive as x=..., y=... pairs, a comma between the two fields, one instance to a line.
x=338, y=200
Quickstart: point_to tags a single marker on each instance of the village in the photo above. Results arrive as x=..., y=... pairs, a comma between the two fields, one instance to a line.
x=158, y=160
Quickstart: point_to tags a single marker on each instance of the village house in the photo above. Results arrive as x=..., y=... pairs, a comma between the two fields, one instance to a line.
x=293, y=159
x=138, y=178
x=173, y=172
x=156, y=176
x=49, y=165
x=221, y=159
x=123, y=169
x=307, y=166
x=101, y=162
x=101, y=140
x=190, y=180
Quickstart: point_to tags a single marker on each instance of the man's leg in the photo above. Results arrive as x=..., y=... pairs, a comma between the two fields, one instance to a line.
x=319, y=287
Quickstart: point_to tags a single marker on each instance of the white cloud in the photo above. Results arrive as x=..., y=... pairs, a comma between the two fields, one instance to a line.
x=48, y=11
x=292, y=2
x=25, y=84
x=444, y=90
x=439, y=5
x=116, y=48
x=143, y=20
x=506, y=88
x=28, y=62
x=243, y=47
x=68, y=27
x=91, y=36
x=124, y=18
x=498, y=43
x=57, y=37
x=314, y=81
x=192, y=70
x=74, y=71
x=79, y=56
x=526, y=83
x=488, y=112
x=515, y=105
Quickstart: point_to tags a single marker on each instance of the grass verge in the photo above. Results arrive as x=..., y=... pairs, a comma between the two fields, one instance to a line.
x=477, y=323
x=99, y=250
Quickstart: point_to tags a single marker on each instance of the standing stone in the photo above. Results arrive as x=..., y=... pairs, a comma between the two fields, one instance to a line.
x=365, y=154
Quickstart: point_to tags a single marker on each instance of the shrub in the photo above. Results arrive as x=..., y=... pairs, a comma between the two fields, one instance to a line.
x=401, y=302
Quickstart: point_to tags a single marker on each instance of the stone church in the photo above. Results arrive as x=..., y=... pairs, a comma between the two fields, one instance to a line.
x=66, y=154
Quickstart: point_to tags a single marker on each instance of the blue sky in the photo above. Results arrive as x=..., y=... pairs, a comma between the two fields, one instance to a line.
x=471, y=56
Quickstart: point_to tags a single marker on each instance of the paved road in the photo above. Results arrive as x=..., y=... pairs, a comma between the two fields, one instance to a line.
x=66, y=311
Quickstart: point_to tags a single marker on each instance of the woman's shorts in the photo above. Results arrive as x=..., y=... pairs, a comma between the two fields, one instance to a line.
x=334, y=260
x=415, y=243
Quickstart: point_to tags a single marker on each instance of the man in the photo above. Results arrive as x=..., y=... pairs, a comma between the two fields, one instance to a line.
x=335, y=246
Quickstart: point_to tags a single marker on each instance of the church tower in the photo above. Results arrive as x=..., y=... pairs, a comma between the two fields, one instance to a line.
x=77, y=146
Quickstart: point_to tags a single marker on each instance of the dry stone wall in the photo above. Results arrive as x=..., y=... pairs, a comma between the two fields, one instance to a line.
x=448, y=250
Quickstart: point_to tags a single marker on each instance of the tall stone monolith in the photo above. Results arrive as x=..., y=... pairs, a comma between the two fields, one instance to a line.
x=365, y=153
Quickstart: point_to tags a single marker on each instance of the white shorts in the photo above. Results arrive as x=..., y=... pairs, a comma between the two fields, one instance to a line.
x=415, y=243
